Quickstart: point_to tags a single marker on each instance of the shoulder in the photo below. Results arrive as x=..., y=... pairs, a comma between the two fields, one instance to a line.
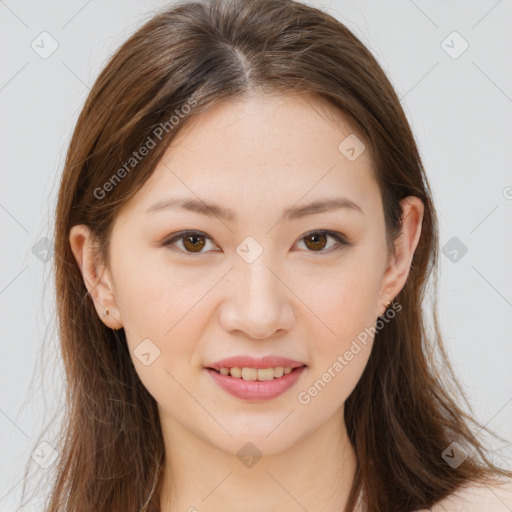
x=479, y=497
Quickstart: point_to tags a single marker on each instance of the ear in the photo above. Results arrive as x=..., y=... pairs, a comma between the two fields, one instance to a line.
x=399, y=263
x=96, y=276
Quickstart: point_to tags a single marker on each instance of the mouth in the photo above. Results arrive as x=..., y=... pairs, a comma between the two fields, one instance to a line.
x=256, y=374
x=256, y=384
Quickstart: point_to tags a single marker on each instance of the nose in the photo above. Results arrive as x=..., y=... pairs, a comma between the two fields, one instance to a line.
x=257, y=301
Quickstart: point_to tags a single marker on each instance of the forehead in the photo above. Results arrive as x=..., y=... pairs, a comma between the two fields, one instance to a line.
x=271, y=148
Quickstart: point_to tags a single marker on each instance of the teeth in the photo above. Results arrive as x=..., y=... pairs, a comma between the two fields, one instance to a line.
x=260, y=374
x=236, y=372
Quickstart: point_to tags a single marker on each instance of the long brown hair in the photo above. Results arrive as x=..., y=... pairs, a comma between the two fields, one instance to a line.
x=403, y=413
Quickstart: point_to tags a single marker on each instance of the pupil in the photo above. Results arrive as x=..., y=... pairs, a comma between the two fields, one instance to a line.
x=317, y=240
x=317, y=236
x=196, y=247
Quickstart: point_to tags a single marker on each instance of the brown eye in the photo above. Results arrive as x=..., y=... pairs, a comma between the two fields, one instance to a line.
x=316, y=241
x=193, y=243
x=188, y=242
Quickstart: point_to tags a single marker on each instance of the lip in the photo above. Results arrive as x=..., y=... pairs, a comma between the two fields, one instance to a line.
x=254, y=362
x=254, y=390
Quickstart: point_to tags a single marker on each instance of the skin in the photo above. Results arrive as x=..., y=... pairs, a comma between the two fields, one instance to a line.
x=256, y=156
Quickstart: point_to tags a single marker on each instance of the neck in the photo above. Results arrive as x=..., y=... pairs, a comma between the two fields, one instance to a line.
x=314, y=474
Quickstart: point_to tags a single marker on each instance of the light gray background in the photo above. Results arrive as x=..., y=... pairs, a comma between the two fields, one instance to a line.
x=461, y=113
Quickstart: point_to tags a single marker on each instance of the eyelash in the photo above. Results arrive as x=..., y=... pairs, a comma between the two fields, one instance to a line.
x=340, y=239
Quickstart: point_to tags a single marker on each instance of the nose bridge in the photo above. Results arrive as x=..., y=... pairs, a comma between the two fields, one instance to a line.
x=259, y=286
x=252, y=267
x=257, y=301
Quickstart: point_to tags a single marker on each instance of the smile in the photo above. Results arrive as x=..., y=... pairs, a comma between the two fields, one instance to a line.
x=256, y=384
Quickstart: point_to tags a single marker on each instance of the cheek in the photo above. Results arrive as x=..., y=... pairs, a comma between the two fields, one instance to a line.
x=164, y=311
x=156, y=296
x=345, y=299
x=338, y=360
x=164, y=318
x=344, y=305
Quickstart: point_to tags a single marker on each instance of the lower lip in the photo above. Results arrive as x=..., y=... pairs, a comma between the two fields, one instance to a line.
x=255, y=390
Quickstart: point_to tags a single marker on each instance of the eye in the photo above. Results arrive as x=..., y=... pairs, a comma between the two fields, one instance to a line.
x=316, y=241
x=192, y=241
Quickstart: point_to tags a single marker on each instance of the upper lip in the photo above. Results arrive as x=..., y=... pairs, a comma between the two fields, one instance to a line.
x=255, y=362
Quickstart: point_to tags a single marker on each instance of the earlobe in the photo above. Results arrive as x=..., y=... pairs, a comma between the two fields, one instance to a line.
x=405, y=245
x=95, y=275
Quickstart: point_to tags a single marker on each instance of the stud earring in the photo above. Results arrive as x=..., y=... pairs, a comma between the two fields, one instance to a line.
x=386, y=304
x=105, y=313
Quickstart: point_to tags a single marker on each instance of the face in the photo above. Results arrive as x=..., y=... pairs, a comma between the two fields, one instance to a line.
x=195, y=285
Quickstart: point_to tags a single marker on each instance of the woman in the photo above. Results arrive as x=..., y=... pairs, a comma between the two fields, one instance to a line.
x=244, y=234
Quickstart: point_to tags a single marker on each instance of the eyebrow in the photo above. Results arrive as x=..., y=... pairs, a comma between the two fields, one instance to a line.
x=293, y=212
